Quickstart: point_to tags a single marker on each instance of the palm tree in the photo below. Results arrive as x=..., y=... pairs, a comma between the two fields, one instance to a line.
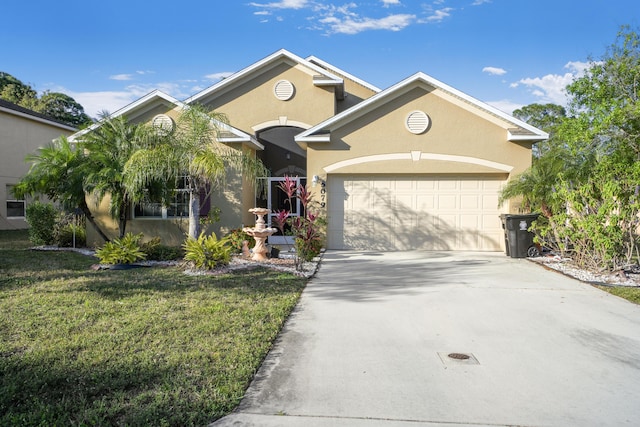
x=193, y=153
x=109, y=147
x=58, y=172
x=536, y=185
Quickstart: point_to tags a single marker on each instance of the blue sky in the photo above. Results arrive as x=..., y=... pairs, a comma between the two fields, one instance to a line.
x=107, y=54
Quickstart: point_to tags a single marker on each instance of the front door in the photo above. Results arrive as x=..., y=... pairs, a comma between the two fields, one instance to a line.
x=277, y=201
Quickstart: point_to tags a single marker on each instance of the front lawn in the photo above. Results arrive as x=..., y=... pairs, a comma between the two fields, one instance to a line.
x=626, y=292
x=149, y=346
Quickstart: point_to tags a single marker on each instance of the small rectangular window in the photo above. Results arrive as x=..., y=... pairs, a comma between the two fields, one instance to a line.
x=15, y=207
x=178, y=207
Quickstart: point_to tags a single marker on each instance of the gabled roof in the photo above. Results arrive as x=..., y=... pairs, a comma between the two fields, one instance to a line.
x=228, y=134
x=17, y=110
x=517, y=129
x=336, y=70
x=139, y=106
x=321, y=77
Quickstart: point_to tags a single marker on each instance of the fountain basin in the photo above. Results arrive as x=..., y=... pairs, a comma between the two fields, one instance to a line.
x=259, y=233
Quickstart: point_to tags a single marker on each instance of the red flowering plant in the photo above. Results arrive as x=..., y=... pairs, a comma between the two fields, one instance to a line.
x=305, y=228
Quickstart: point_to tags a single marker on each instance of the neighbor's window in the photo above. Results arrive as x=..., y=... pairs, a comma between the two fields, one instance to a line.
x=178, y=207
x=15, y=207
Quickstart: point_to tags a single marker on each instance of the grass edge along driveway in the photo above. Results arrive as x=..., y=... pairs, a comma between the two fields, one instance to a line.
x=149, y=346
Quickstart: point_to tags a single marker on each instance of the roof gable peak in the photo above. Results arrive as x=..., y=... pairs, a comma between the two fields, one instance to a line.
x=319, y=133
x=326, y=78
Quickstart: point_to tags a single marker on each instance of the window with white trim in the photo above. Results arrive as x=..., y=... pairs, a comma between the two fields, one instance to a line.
x=16, y=208
x=178, y=207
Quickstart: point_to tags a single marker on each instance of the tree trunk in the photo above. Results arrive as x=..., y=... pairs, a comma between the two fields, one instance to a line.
x=122, y=220
x=194, y=214
x=87, y=213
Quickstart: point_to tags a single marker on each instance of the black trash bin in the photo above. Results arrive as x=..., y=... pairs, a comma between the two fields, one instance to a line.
x=518, y=240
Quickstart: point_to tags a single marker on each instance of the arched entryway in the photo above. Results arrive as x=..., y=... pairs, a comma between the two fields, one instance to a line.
x=283, y=157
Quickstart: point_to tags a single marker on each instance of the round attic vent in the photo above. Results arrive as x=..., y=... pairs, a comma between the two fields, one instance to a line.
x=283, y=90
x=163, y=124
x=417, y=122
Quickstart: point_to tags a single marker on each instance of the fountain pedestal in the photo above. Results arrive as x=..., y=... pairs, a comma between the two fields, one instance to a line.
x=259, y=233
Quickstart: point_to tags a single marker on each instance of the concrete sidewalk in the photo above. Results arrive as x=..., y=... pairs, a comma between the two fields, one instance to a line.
x=369, y=341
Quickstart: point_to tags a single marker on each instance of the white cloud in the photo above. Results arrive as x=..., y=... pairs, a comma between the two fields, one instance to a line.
x=438, y=15
x=479, y=2
x=494, y=71
x=97, y=102
x=218, y=76
x=387, y=3
x=505, y=105
x=350, y=25
x=121, y=77
x=551, y=87
x=113, y=100
x=284, y=4
x=262, y=13
x=578, y=68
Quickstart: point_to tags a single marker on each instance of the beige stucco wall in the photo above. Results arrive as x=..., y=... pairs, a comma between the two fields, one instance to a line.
x=172, y=231
x=253, y=103
x=230, y=200
x=354, y=94
x=456, y=131
x=19, y=136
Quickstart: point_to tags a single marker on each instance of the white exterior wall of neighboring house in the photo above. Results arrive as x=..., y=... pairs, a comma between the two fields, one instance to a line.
x=22, y=132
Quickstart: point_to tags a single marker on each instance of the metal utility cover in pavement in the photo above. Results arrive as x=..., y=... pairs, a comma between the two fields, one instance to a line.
x=450, y=358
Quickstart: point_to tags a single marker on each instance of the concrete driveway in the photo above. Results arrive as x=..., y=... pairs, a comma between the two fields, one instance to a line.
x=369, y=341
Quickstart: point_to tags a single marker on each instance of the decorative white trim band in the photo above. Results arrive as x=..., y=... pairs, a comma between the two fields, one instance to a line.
x=281, y=121
x=415, y=156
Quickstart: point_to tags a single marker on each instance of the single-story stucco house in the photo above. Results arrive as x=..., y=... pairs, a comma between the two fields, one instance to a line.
x=22, y=132
x=418, y=165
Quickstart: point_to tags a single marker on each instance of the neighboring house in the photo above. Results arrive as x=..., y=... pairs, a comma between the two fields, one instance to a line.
x=22, y=132
x=416, y=166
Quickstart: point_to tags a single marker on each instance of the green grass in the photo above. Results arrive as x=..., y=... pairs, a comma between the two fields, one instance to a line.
x=631, y=294
x=148, y=346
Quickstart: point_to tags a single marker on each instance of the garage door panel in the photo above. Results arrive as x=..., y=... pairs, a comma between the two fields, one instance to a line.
x=470, y=201
x=446, y=184
x=470, y=185
x=425, y=185
x=470, y=223
x=418, y=212
x=489, y=201
x=447, y=202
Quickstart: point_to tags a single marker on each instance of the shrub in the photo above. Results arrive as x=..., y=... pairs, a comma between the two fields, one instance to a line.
x=207, y=252
x=65, y=227
x=307, y=229
x=235, y=238
x=156, y=251
x=307, y=249
x=122, y=251
x=41, y=218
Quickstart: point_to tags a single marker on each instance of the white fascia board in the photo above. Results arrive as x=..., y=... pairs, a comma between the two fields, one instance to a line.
x=147, y=99
x=248, y=141
x=324, y=64
x=398, y=89
x=355, y=111
x=484, y=106
x=282, y=53
x=240, y=136
x=313, y=138
x=542, y=136
x=37, y=119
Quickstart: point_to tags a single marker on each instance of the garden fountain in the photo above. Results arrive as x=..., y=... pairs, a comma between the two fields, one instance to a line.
x=259, y=233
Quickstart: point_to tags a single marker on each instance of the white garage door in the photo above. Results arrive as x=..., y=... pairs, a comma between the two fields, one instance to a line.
x=414, y=212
